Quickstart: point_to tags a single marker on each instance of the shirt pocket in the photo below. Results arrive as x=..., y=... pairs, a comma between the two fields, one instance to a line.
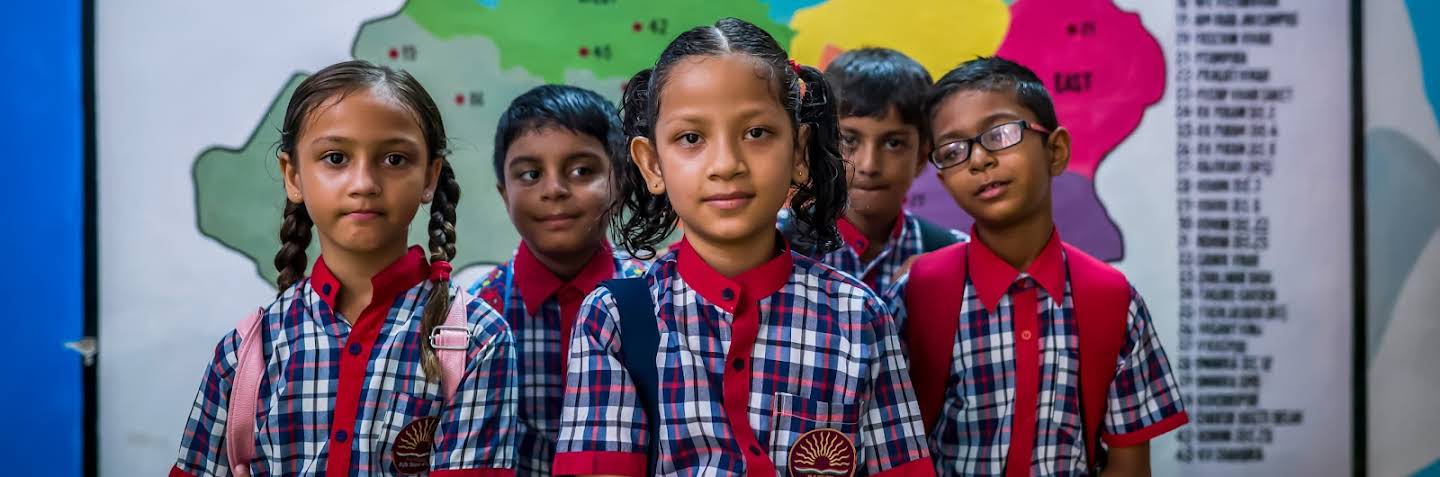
x=814, y=437
x=408, y=427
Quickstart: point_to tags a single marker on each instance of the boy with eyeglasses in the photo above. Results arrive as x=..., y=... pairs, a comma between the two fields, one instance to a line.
x=1028, y=357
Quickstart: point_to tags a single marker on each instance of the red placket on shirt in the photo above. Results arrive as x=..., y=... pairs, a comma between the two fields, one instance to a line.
x=1025, y=322
x=740, y=297
x=359, y=346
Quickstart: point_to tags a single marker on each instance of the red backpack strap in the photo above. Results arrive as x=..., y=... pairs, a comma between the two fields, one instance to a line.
x=1101, y=296
x=452, y=342
x=932, y=298
x=244, y=395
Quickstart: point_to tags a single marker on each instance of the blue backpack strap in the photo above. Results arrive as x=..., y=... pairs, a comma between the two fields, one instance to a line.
x=639, y=344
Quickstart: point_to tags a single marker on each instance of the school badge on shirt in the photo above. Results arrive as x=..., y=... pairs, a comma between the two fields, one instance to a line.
x=411, y=450
x=822, y=452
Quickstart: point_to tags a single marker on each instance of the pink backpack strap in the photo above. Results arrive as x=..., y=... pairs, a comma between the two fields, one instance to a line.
x=244, y=394
x=451, y=342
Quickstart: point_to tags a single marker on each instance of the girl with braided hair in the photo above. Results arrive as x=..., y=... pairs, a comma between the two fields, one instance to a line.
x=356, y=374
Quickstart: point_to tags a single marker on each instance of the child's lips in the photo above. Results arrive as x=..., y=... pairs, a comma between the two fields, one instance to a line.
x=557, y=221
x=728, y=201
x=363, y=214
x=993, y=189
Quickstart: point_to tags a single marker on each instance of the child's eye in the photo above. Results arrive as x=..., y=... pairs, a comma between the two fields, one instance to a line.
x=582, y=171
x=395, y=160
x=757, y=133
x=689, y=139
x=894, y=144
x=333, y=158
x=530, y=176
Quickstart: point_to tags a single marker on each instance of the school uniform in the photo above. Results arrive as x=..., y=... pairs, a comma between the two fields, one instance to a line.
x=1011, y=402
x=352, y=399
x=540, y=309
x=907, y=239
x=790, y=366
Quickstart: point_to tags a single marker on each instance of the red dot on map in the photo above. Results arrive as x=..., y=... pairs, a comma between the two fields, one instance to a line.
x=637, y=27
x=584, y=52
x=394, y=53
x=459, y=98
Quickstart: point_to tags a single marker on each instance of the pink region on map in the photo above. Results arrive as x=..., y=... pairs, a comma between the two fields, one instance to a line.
x=1099, y=63
x=1103, y=69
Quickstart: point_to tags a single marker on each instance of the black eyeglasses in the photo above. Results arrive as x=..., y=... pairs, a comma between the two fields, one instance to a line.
x=1000, y=137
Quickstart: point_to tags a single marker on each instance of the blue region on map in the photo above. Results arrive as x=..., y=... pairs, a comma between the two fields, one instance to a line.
x=1424, y=15
x=782, y=10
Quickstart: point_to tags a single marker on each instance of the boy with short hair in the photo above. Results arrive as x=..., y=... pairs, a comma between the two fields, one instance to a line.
x=1028, y=356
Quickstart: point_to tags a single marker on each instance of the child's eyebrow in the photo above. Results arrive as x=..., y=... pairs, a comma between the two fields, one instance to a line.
x=345, y=141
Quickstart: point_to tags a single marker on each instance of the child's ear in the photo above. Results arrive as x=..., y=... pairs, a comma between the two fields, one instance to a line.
x=800, y=174
x=432, y=179
x=1059, y=148
x=643, y=154
x=291, y=175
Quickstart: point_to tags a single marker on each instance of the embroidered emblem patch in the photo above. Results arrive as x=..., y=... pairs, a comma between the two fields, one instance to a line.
x=822, y=452
x=411, y=450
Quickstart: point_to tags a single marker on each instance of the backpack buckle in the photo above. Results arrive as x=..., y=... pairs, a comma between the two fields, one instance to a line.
x=438, y=337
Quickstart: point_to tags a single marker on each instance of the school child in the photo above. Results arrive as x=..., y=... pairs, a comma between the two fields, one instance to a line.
x=883, y=139
x=556, y=150
x=1029, y=357
x=733, y=356
x=367, y=366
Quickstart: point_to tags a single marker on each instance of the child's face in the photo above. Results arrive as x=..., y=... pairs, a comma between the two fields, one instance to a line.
x=557, y=189
x=725, y=151
x=1007, y=186
x=882, y=158
x=362, y=169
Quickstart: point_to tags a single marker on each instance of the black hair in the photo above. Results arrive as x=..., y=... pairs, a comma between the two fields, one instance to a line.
x=574, y=109
x=803, y=92
x=994, y=73
x=869, y=81
x=342, y=79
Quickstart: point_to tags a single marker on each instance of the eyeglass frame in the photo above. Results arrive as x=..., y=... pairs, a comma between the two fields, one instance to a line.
x=970, y=151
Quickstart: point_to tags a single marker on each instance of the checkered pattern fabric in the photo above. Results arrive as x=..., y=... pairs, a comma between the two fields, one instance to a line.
x=314, y=358
x=744, y=372
x=973, y=435
x=541, y=371
x=880, y=272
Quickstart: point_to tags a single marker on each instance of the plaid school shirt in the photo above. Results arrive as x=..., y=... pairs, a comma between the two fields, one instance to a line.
x=336, y=397
x=789, y=367
x=880, y=272
x=979, y=414
x=543, y=337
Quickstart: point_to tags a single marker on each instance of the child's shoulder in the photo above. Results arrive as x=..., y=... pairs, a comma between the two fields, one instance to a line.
x=483, y=319
x=835, y=284
x=627, y=266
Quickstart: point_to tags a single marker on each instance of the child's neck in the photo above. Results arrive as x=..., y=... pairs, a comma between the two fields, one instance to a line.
x=734, y=258
x=876, y=229
x=1020, y=242
x=355, y=271
x=566, y=266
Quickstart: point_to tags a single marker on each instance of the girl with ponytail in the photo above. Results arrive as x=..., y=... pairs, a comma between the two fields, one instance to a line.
x=743, y=358
x=374, y=363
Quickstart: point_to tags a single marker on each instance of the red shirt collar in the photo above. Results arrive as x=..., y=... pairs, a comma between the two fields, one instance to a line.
x=402, y=274
x=856, y=240
x=537, y=283
x=747, y=287
x=992, y=275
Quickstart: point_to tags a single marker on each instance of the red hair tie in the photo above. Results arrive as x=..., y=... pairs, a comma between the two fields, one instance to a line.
x=795, y=66
x=440, y=271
